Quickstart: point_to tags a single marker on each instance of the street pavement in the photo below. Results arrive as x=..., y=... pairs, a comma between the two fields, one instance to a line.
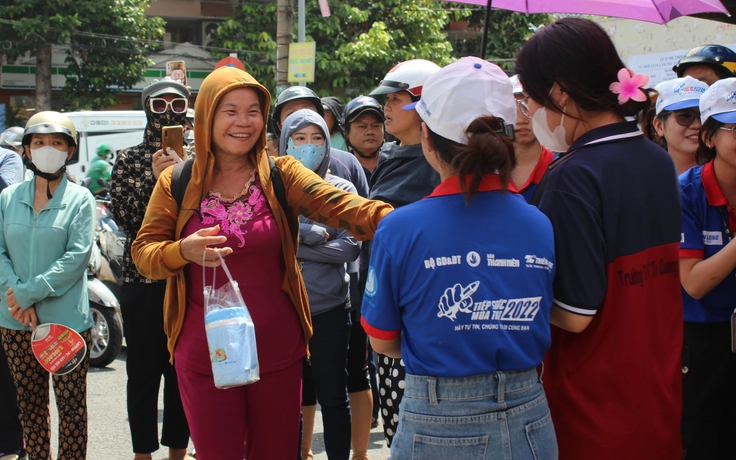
x=109, y=435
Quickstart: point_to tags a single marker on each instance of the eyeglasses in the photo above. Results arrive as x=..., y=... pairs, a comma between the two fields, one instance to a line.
x=523, y=107
x=160, y=105
x=732, y=129
x=686, y=118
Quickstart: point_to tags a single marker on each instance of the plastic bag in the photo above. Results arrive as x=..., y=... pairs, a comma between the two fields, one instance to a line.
x=231, y=335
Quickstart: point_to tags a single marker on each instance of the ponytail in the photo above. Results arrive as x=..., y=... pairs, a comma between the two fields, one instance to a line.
x=489, y=151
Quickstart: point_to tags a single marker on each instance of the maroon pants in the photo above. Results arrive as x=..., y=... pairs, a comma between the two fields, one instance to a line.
x=263, y=415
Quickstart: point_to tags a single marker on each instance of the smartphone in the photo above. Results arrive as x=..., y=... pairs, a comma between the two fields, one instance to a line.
x=174, y=138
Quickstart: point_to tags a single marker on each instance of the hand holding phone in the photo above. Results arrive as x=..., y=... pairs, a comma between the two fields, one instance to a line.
x=173, y=138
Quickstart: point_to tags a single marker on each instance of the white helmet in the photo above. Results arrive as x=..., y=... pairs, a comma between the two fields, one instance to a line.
x=517, y=88
x=12, y=137
x=407, y=76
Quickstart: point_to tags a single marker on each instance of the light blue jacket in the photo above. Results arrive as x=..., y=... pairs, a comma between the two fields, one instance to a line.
x=43, y=257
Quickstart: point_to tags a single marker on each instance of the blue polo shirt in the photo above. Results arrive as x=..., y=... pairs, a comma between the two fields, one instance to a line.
x=705, y=215
x=468, y=286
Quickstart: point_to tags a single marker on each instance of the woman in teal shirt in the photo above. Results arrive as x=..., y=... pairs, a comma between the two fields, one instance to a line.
x=46, y=235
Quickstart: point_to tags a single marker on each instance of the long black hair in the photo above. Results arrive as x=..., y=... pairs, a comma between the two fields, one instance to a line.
x=578, y=55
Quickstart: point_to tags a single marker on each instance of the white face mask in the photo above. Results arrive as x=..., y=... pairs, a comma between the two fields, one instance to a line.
x=553, y=140
x=47, y=159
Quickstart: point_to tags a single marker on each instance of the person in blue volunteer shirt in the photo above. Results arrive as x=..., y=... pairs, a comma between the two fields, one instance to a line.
x=460, y=284
x=677, y=120
x=707, y=269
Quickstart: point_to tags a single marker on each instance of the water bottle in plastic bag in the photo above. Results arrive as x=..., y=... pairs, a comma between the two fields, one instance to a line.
x=231, y=335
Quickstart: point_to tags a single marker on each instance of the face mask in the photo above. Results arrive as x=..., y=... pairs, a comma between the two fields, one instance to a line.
x=310, y=155
x=553, y=140
x=47, y=159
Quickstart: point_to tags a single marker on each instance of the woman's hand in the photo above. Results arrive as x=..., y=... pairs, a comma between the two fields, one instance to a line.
x=161, y=161
x=10, y=299
x=28, y=317
x=194, y=247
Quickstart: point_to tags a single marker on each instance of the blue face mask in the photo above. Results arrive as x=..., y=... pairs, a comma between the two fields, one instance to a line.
x=310, y=155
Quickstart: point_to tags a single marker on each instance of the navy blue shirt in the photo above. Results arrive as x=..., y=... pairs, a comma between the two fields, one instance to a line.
x=614, y=389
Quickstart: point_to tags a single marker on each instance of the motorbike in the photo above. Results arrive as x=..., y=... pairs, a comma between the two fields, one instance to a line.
x=104, y=273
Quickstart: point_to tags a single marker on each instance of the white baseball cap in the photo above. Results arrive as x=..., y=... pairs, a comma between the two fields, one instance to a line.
x=518, y=89
x=680, y=93
x=461, y=92
x=719, y=101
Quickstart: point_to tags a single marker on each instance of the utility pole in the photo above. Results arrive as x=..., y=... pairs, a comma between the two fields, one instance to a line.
x=43, y=78
x=284, y=36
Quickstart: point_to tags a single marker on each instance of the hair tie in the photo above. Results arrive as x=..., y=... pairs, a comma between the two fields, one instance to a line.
x=629, y=86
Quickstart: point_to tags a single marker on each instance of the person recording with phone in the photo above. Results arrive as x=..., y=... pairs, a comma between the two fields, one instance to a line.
x=134, y=175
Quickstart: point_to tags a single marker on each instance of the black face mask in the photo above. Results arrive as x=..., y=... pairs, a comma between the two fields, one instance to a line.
x=156, y=122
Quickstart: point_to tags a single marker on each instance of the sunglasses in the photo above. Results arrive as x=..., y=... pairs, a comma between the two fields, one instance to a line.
x=160, y=105
x=685, y=118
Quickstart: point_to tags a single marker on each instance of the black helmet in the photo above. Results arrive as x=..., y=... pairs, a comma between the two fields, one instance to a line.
x=294, y=93
x=359, y=106
x=334, y=105
x=720, y=58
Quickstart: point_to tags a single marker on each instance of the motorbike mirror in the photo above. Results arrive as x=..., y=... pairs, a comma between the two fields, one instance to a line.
x=87, y=182
x=102, y=183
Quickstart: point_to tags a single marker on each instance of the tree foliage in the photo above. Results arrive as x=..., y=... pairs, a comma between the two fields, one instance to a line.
x=105, y=42
x=507, y=33
x=356, y=45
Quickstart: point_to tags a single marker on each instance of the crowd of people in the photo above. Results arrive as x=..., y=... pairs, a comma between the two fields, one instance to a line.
x=534, y=267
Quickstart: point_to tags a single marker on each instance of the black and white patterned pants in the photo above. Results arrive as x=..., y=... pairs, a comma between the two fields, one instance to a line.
x=391, y=384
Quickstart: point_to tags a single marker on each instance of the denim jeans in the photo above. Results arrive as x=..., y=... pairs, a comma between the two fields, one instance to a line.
x=494, y=416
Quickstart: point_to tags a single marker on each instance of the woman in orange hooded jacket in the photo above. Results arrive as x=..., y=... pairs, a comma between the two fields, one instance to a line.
x=230, y=209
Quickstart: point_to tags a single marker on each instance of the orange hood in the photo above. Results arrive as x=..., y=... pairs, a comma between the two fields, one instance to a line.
x=213, y=87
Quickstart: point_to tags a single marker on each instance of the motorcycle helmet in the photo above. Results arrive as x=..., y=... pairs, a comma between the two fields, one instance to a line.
x=720, y=58
x=359, y=106
x=407, y=76
x=334, y=105
x=294, y=93
x=12, y=137
x=164, y=86
x=105, y=152
x=50, y=122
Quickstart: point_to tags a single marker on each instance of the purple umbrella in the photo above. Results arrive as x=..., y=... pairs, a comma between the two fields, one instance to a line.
x=658, y=11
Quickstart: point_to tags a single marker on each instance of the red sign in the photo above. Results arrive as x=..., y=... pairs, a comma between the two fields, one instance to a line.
x=230, y=62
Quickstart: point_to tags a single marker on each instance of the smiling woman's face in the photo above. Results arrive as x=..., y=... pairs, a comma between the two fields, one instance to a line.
x=238, y=123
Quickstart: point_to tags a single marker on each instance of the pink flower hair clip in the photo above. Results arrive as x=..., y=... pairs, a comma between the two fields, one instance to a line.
x=629, y=86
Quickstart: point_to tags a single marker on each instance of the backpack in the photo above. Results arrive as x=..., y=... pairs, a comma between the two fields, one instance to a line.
x=183, y=173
